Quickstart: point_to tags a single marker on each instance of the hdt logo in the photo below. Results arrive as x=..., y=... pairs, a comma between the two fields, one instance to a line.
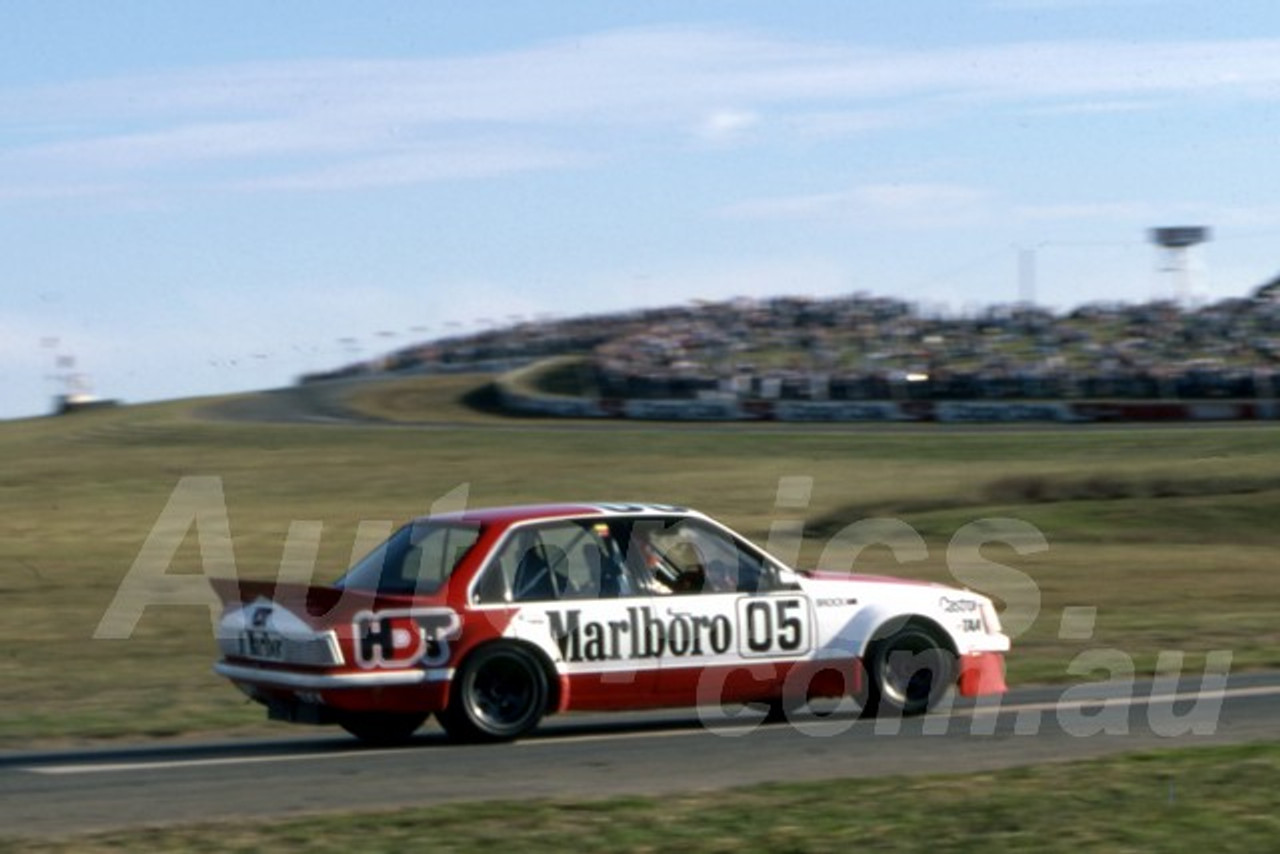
x=404, y=637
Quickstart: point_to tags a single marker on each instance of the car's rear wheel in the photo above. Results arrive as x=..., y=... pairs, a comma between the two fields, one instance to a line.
x=908, y=671
x=383, y=728
x=500, y=693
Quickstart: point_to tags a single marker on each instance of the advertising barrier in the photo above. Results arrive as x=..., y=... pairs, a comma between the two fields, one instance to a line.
x=725, y=408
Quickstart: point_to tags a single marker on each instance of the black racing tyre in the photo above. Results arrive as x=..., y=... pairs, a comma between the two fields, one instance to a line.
x=499, y=693
x=383, y=728
x=908, y=671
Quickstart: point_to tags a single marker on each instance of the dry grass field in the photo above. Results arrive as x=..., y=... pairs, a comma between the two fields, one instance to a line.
x=1168, y=532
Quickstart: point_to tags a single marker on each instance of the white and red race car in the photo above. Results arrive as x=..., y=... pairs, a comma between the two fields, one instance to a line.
x=492, y=618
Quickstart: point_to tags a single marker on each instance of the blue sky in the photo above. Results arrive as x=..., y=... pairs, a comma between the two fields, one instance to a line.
x=203, y=197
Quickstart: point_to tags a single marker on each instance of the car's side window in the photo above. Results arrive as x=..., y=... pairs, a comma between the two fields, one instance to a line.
x=419, y=558
x=559, y=560
x=435, y=554
x=683, y=556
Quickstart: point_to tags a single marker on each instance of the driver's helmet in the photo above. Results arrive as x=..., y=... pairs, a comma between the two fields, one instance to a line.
x=692, y=567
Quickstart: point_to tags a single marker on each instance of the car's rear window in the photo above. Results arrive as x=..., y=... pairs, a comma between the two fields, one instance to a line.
x=417, y=559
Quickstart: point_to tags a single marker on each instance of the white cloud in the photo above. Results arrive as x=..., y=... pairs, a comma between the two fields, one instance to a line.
x=838, y=124
x=1092, y=211
x=902, y=204
x=420, y=165
x=724, y=126
x=948, y=205
x=807, y=206
x=545, y=106
x=1224, y=218
x=1118, y=106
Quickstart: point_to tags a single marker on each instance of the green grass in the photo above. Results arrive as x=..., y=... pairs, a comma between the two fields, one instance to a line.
x=1168, y=532
x=454, y=398
x=1219, y=799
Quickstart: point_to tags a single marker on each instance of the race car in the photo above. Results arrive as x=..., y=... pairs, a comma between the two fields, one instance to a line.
x=492, y=618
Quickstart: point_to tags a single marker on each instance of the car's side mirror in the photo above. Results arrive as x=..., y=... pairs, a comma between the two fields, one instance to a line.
x=788, y=578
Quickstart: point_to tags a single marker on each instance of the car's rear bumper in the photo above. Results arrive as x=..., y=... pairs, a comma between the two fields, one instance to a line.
x=314, y=696
x=313, y=681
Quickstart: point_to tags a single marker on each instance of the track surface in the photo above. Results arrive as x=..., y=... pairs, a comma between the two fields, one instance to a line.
x=601, y=755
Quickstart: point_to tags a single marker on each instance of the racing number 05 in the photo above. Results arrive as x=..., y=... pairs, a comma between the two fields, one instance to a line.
x=772, y=626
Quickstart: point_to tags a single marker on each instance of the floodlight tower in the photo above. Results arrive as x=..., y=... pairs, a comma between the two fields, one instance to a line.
x=1174, y=244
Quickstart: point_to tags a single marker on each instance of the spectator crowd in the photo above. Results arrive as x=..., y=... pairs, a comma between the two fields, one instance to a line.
x=864, y=347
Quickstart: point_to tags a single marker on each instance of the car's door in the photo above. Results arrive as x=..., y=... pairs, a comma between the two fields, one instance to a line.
x=733, y=628
x=574, y=597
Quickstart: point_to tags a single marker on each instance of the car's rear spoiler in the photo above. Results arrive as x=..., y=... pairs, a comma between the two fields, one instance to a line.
x=309, y=599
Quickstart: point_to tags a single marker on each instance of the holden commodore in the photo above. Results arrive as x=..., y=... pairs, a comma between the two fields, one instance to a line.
x=493, y=618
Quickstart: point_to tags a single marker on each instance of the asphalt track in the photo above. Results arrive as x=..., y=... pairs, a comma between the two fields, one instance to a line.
x=591, y=756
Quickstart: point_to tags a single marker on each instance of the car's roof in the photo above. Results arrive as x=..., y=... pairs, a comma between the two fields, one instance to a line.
x=512, y=514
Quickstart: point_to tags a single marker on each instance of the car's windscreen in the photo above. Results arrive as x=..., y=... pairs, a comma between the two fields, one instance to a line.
x=418, y=558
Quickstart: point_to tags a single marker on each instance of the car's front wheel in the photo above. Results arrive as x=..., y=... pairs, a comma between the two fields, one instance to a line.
x=908, y=671
x=499, y=693
x=383, y=728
